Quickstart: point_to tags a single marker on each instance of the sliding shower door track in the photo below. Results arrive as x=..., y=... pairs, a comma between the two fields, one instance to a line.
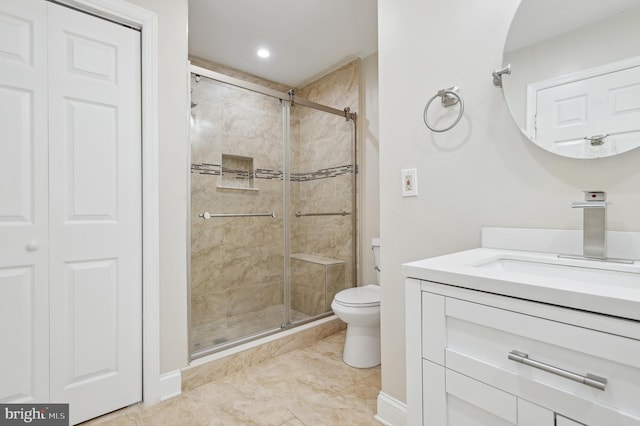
x=271, y=92
x=256, y=336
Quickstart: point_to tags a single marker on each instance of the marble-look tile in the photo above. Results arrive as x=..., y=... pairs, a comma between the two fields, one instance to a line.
x=193, y=377
x=178, y=411
x=293, y=422
x=233, y=400
x=338, y=88
x=306, y=386
x=330, y=347
x=332, y=409
x=128, y=416
x=366, y=390
x=311, y=386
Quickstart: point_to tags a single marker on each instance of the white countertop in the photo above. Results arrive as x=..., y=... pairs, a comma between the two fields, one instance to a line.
x=602, y=287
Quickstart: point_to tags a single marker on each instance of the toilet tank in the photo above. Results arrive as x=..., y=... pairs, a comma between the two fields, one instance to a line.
x=375, y=246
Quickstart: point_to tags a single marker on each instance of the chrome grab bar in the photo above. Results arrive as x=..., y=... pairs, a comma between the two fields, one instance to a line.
x=207, y=215
x=590, y=380
x=342, y=213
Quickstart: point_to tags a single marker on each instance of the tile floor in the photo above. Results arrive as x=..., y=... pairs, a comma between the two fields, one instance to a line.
x=310, y=386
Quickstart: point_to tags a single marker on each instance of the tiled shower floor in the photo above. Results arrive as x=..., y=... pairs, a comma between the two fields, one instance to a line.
x=207, y=335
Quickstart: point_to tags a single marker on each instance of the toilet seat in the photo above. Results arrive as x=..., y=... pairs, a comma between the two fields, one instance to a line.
x=359, y=297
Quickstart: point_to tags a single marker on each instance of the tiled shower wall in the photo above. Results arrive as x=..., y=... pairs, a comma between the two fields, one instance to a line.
x=236, y=263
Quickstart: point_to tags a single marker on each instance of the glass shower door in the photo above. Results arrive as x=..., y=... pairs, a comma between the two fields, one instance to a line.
x=237, y=218
x=322, y=210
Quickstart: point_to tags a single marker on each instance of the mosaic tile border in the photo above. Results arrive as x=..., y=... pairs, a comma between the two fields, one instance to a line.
x=331, y=172
x=206, y=169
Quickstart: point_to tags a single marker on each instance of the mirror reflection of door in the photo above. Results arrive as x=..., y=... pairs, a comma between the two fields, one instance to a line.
x=587, y=116
x=577, y=37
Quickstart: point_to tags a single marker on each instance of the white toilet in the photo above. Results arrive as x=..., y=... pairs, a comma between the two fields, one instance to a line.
x=359, y=307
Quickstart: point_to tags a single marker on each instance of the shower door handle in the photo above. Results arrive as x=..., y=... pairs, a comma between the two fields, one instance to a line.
x=207, y=215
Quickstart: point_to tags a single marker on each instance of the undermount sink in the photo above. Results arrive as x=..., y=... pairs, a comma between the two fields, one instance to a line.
x=569, y=269
x=525, y=264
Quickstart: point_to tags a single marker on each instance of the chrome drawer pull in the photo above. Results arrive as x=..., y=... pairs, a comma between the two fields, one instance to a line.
x=589, y=380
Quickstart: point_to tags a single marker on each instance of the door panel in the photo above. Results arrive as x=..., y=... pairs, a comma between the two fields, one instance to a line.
x=91, y=341
x=95, y=213
x=24, y=291
x=92, y=148
x=322, y=210
x=16, y=24
x=92, y=58
x=18, y=351
x=237, y=167
x=16, y=154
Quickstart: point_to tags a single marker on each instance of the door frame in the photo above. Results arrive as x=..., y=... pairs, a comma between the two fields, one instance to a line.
x=147, y=22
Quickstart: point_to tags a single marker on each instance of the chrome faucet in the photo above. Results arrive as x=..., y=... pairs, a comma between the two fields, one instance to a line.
x=594, y=227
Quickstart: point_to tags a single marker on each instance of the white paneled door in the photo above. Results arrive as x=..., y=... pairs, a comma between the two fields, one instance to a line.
x=606, y=105
x=94, y=212
x=70, y=209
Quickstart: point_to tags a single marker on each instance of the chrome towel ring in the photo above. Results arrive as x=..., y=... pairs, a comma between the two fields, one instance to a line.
x=448, y=97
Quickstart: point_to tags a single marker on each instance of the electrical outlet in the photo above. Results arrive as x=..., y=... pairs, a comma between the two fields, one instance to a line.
x=409, y=183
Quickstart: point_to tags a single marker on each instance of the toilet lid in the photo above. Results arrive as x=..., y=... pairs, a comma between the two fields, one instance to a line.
x=368, y=295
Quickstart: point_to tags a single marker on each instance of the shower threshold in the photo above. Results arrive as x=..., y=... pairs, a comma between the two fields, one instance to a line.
x=223, y=333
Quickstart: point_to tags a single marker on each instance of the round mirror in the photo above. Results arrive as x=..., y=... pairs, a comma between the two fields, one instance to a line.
x=574, y=87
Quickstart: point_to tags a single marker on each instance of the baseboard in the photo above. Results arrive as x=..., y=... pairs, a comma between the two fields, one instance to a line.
x=170, y=385
x=391, y=412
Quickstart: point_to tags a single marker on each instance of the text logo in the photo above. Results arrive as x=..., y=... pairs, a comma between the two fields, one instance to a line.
x=34, y=414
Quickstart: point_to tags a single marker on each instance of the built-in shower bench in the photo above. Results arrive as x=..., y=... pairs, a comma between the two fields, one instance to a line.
x=312, y=258
x=314, y=282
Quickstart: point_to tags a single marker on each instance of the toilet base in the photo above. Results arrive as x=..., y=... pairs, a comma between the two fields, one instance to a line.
x=362, y=346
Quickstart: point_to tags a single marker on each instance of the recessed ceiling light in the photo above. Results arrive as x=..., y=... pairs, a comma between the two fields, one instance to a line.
x=264, y=53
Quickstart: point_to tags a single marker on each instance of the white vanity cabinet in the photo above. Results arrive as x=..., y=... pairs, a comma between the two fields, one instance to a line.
x=480, y=359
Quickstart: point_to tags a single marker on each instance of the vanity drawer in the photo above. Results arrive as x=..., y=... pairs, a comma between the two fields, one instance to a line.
x=478, y=340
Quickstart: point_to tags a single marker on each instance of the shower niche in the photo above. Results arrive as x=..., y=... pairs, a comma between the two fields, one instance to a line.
x=237, y=172
x=279, y=241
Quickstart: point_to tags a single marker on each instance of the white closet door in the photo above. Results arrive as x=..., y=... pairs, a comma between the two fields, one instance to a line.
x=95, y=213
x=24, y=294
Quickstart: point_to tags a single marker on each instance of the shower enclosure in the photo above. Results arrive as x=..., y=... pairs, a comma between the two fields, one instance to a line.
x=273, y=212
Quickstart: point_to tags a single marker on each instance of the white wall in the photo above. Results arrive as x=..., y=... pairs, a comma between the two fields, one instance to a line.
x=483, y=172
x=369, y=170
x=173, y=169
